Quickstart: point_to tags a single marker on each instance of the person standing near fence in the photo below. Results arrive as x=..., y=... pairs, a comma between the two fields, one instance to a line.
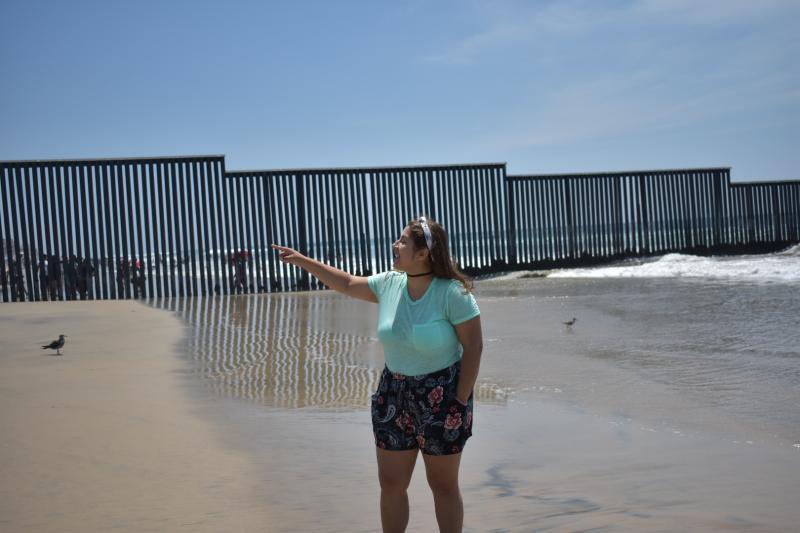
x=85, y=272
x=430, y=328
x=54, y=277
x=44, y=281
x=4, y=279
x=71, y=276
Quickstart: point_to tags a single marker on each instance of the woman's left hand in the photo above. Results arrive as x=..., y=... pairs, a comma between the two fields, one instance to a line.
x=459, y=398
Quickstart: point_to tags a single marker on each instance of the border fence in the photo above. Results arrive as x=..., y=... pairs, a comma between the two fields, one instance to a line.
x=184, y=226
x=579, y=219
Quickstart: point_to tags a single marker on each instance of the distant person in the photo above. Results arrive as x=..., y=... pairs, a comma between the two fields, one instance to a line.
x=85, y=272
x=123, y=275
x=241, y=269
x=44, y=281
x=17, y=279
x=138, y=278
x=54, y=277
x=430, y=328
x=71, y=277
x=239, y=272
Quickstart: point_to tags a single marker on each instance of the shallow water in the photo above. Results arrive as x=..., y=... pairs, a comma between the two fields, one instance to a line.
x=671, y=404
x=674, y=351
x=693, y=354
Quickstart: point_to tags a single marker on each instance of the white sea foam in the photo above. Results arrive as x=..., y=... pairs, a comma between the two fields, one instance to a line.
x=780, y=267
x=504, y=276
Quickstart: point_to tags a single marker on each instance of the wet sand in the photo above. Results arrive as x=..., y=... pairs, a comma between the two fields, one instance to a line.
x=112, y=435
x=563, y=441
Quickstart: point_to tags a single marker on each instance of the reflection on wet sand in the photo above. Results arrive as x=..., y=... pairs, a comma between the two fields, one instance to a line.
x=287, y=350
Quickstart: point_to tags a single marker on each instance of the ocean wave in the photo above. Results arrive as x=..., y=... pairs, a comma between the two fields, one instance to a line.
x=781, y=267
x=505, y=276
x=793, y=251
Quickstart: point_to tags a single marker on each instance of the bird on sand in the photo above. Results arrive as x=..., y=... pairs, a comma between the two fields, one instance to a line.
x=569, y=323
x=56, y=345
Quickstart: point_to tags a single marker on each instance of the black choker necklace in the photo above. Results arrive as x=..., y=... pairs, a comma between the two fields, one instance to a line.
x=418, y=275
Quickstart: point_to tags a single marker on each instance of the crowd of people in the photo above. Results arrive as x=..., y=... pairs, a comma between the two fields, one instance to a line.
x=70, y=277
x=53, y=277
x=66, y=278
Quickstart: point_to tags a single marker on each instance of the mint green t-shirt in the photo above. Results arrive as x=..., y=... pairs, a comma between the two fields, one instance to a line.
x=418, y=336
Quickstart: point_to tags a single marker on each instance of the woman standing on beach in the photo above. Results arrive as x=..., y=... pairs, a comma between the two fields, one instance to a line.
x=429, y=325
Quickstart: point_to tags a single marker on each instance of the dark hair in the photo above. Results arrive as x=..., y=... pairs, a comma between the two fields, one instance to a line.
x=442, y=264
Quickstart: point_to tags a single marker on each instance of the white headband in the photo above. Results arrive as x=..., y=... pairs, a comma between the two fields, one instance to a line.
x=427, y=231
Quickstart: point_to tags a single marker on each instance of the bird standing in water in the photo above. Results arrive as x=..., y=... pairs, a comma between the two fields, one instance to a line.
x=570, y=322
x=56, y=345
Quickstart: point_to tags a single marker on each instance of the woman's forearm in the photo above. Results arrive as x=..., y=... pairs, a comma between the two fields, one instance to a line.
x=332, y=277
x=470, y=364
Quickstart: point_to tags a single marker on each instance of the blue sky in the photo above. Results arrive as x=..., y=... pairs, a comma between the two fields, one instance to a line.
x=567, y=86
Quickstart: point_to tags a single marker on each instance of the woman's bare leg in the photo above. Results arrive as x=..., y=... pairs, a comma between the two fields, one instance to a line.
x=394, y=474
x=442, y=472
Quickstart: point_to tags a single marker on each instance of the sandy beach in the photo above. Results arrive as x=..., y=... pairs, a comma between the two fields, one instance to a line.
x=250, y=413
x=109, y=436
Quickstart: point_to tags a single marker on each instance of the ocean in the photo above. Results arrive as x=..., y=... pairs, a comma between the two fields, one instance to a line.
x=719, y=335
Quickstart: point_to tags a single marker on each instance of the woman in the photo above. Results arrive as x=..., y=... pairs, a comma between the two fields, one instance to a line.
x=429, y=325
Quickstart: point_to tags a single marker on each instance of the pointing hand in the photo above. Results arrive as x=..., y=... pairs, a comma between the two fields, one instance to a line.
x=288, y=255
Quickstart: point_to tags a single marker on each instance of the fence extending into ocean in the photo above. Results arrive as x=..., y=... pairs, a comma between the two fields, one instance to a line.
x=185, y=226
x=578, y=219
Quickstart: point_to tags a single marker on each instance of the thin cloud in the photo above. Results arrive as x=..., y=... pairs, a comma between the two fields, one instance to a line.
x=524, y=24
x=651, y=79
x=501, y=31
x=691, y=12
x=639, y=102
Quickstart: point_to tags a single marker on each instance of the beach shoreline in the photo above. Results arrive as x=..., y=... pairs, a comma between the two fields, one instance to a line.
x=249, y=413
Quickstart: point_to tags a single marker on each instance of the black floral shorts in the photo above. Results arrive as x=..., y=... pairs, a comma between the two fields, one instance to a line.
x=422, y=412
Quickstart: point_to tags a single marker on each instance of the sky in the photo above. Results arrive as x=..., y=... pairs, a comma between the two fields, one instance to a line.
x=545, y=86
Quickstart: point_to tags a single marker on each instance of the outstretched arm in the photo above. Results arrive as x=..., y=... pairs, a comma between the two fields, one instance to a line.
x=338, y=280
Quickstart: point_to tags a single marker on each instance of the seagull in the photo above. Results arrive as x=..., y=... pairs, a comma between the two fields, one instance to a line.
x=56, y=345
x=570, y=323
